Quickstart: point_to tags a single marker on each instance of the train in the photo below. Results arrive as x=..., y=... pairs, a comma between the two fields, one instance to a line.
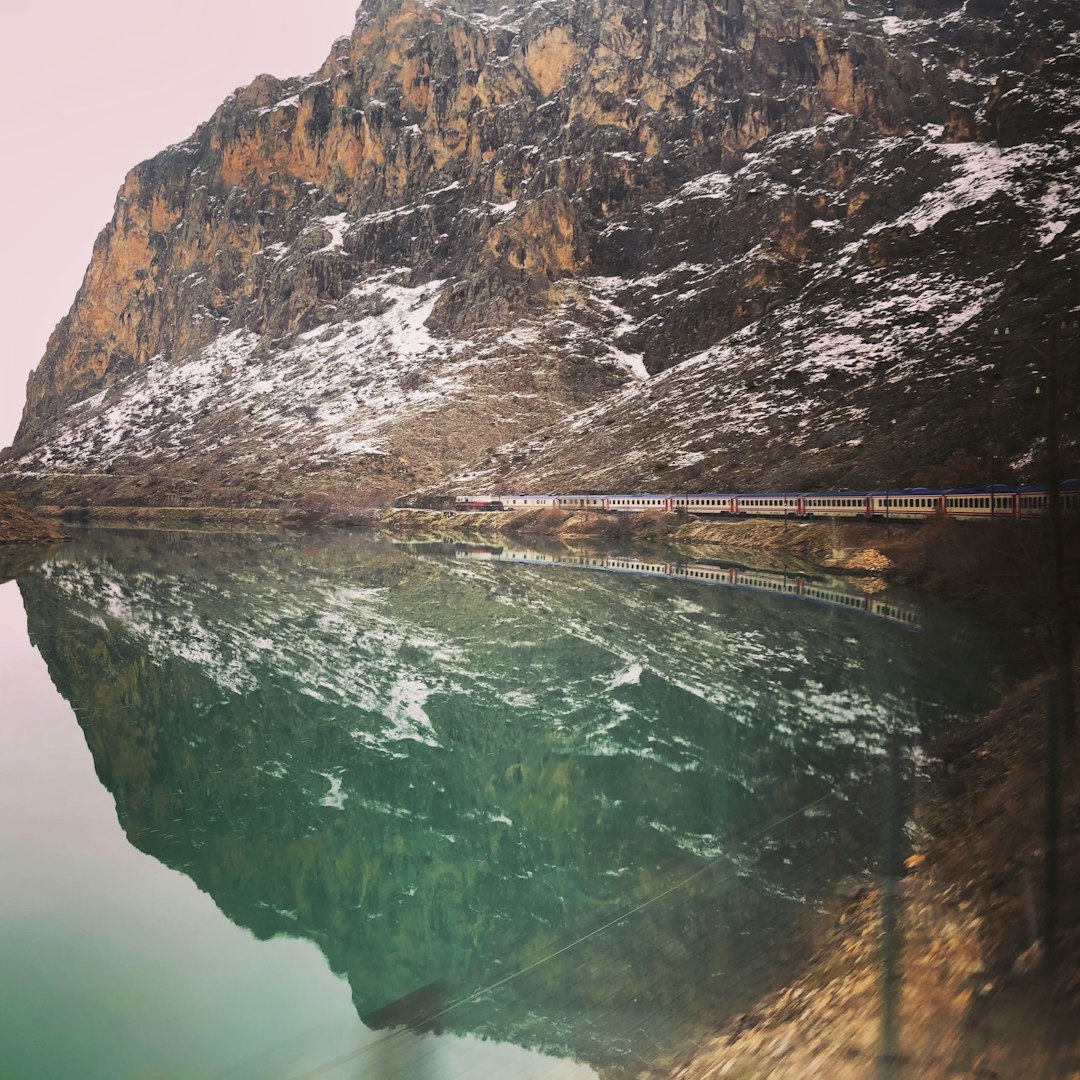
x=994, y=502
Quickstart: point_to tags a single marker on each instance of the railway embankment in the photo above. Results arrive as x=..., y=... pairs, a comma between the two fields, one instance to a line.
x=853, y=546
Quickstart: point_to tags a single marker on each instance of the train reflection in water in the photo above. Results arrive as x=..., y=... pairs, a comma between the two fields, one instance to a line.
x=801, y=586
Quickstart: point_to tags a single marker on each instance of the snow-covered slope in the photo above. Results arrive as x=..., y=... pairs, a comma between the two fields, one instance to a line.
x=749, y=243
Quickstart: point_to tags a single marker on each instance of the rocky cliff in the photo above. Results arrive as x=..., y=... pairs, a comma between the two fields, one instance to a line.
x=583, y=243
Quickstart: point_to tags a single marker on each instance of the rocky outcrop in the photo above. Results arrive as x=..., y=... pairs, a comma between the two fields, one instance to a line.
x=744, y=237
x=19, y=526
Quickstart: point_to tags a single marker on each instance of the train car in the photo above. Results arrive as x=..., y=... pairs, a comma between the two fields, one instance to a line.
x=853, y=504
x=581, y=502
x=527, y=502
x=637, y=503
x=965, y=503
x=906, y=504
x=1034, y=500
x=769, y=504
x=706, y=503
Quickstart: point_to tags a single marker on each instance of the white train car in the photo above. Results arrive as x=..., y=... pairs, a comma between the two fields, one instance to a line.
x=637, y=504
x=582, y=502
x=911, y=504
x=707, y=503
x=527, y=502
x=840, y=504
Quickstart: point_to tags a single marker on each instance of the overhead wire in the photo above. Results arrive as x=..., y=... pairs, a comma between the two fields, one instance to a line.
x=490, y=988
x=629, y=967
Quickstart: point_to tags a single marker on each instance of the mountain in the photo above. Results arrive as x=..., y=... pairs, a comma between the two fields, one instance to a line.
x=582, y=243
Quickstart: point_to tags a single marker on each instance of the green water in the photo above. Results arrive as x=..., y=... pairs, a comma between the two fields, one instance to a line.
x=546, y=814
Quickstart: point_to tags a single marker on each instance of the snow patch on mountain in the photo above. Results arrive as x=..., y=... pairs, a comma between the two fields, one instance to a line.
x=335, y=388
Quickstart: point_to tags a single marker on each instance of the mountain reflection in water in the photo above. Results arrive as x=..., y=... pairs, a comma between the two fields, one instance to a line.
x=444, y=770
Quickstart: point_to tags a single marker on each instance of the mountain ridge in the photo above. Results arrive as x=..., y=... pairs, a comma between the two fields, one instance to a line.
x=584, y=245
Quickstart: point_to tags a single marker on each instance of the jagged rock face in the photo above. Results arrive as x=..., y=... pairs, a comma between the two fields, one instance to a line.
x=744, y=237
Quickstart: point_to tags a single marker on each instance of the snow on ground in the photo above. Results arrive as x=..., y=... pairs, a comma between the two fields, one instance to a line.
x=338, y=386
x=336, y=225
x=980, y=171
x=622, y=323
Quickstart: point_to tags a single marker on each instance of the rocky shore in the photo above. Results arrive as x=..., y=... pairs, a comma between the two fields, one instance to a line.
x=849, y=545
x=976, y=997
x=25, y=539
x=21, y=526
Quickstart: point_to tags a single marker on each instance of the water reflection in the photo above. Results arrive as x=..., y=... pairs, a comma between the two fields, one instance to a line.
x=854, y=594
x=446, y=770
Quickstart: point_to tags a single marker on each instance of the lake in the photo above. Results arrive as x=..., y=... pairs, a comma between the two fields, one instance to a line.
x=328, y=805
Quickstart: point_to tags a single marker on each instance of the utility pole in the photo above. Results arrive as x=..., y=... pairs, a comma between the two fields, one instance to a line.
x=891, y=934
x=1047, y=346
x=1061, y=708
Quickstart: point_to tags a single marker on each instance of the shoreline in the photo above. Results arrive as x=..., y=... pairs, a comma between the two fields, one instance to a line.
x=20, y=526
x=838, y=546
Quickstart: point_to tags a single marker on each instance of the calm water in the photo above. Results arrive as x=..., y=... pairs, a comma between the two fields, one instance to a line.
x=266, y=800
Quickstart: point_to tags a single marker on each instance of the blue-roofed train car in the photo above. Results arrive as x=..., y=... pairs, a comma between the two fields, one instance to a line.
x=905, y=504
x=639, y=503
x=706, y=503
x=853, y=504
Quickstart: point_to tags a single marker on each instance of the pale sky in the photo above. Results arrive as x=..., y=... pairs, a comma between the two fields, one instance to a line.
x=89, y=89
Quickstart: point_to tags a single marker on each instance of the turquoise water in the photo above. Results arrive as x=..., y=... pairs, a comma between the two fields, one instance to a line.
x=268, y=799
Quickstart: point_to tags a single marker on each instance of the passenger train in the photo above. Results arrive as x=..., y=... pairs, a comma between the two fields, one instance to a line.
x=998, y=501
